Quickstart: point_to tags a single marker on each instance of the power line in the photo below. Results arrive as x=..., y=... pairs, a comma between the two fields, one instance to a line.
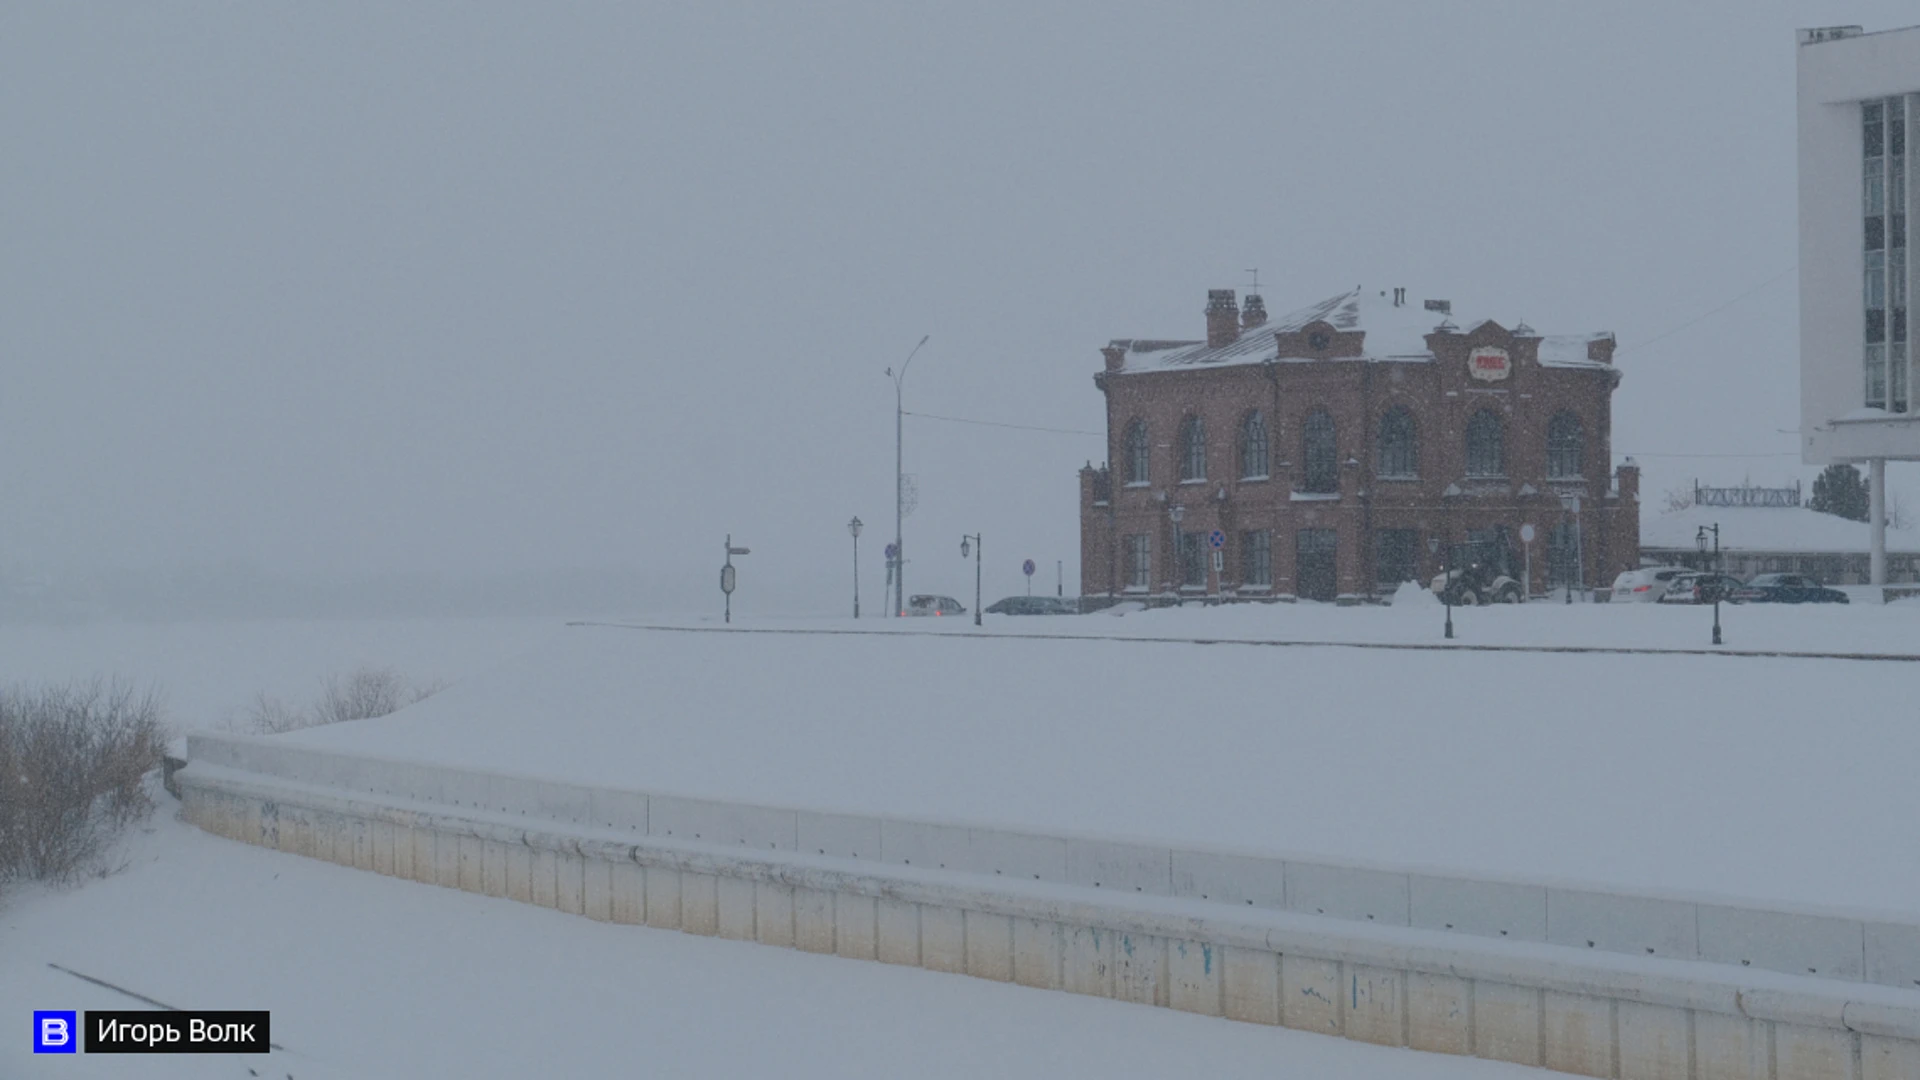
x=1789, y=453
x=1709, y=314
x=1018, y=427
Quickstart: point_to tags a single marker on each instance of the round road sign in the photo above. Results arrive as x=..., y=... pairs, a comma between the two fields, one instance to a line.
x=1217, y=538
x=1526, y=534
x=892, y=551
x=1027, y=568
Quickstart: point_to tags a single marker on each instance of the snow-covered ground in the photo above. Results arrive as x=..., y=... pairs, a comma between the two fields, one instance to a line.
x=209, y=671
x=370, y=977
x=1708, y=776
x=1418, y=618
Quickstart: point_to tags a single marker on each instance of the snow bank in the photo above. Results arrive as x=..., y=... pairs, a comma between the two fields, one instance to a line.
x=1638, y=772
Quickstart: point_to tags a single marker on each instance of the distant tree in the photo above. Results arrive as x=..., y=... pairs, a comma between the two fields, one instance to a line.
x=1841, y=490
x=1679, y=498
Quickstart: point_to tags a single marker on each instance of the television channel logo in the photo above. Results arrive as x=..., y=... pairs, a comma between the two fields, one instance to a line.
x=55, y=1031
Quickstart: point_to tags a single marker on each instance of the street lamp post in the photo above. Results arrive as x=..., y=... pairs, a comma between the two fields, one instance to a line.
x=978, y=549
x=854, y=528
x=1700, y=541
x=1176, y=512
x=899, y=482
x=1446, y=592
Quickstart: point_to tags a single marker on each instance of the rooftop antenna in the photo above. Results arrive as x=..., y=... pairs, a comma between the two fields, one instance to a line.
x=1255, y=287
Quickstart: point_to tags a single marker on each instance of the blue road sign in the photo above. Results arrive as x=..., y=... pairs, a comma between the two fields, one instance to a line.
x=1027, y=568
x=1217, y=538
x=892, y=551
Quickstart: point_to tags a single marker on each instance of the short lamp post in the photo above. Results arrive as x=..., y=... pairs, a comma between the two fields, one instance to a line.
x=977, y=549
x=854, y=528
x=1446, y=591
x=1700, y=541
x=1176, y=512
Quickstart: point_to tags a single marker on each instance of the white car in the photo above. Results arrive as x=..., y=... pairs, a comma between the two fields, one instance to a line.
x=1646, y=584
x=934, y=605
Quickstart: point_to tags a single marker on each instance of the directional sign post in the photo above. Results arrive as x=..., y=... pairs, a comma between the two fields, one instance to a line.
x=726, y=574
x=1027, y=569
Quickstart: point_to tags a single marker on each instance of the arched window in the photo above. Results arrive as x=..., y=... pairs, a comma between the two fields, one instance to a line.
x=1137, y=453
x=1564, y=446
x=1253, y=446
x=1193, y=449
x=1322, y=473
x=1398, y=454
x=1486, y=445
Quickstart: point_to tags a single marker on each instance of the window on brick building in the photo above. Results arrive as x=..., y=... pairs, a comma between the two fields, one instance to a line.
x=1193, y=561
x=1139, y=561
x=1256, y=558
x=1399, y=457
x=1139, y=453
x=1319, y=454
x=1564, y=446
x=1396, y=554
x=1486, y=445
x=1253, y=447
x=1193, y=449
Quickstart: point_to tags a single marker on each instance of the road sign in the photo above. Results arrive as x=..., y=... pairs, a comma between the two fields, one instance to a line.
x=1027, y=568
x=1526, y=534
x=892, y=551
x=1217, y=538
x=726, y=579
x=1219, y=560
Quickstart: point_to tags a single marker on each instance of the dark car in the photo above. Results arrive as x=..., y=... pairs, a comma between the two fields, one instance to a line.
x=1700, y=588
x=1029, y=605
x=1787, y=589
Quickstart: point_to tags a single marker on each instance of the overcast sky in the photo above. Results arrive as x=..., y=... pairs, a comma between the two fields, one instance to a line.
x=340, y=288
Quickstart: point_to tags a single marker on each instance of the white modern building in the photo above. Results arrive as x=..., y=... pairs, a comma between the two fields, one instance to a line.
x=1859, y=98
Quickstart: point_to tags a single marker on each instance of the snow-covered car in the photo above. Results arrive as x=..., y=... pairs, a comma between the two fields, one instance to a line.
x=1700, y=588
x=1031, y=605
x=1788, y=589
x=928, y=604
x=1646, y=584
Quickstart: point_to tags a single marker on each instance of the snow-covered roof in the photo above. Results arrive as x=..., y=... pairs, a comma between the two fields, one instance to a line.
x=1393, y=332
x=1755, y=528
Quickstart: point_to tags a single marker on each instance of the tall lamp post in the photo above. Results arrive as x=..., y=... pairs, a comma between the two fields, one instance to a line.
x=978, y=549
x=899, y=482
x=1176, y=512
x=1446, y=593
x=1700, y=541
x=854, y=528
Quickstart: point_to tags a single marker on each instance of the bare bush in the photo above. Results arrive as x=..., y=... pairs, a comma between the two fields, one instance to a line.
x=361, y=694
x=72, y=762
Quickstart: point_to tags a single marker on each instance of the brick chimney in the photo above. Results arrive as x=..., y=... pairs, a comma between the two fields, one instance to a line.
x=1115, y=355
x=1223, y=318
x=1627, y=480
x=1254, y=313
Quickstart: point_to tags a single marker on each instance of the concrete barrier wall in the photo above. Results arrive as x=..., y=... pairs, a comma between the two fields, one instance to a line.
x=1882, y=951
x=1574, y=1009
x=1206, y=933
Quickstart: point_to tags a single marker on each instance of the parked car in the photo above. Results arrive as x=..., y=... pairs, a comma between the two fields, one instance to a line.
x=1700, y=588
x=927, y=604
x=1646, y=584
x=1788, y=589
x=1032, y=605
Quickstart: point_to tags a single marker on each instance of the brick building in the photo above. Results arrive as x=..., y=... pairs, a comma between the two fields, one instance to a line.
x=1325, y=449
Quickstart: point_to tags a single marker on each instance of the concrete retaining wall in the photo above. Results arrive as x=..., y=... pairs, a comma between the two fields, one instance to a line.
x=1588, y=982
